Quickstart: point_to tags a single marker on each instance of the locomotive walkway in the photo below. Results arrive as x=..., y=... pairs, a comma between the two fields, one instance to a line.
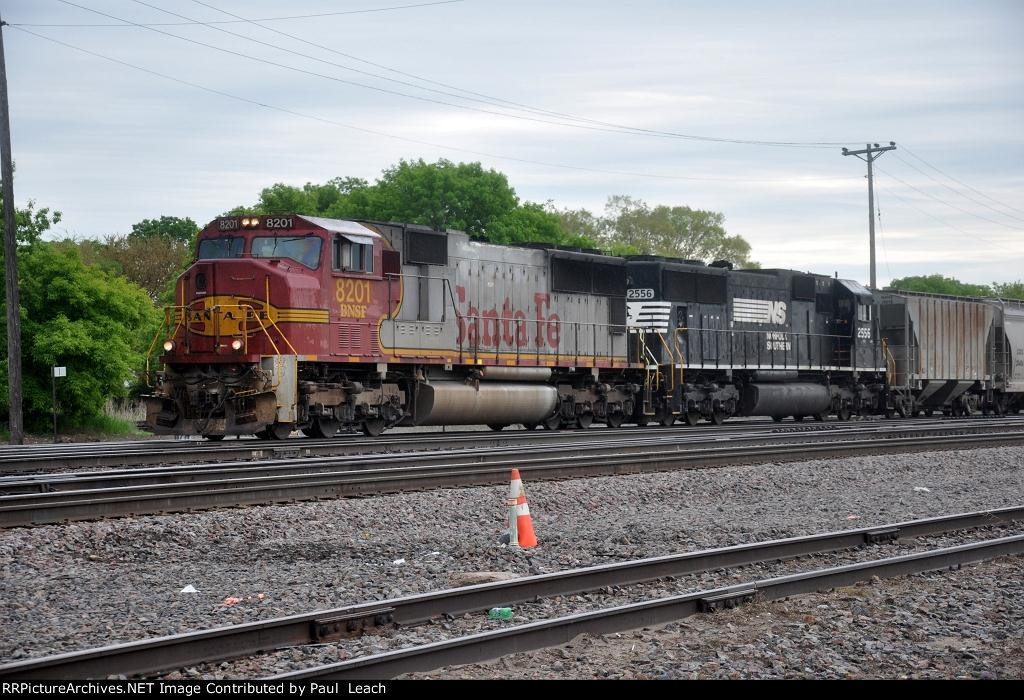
x=67, y=497
x=178, y=651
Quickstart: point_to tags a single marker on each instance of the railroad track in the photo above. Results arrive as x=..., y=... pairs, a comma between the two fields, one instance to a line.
x=178, y=651
x=146, y=492
x=43, y=458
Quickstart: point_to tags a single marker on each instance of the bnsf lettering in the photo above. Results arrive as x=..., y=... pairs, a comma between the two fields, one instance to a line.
x=510, y=327
x=353, y=297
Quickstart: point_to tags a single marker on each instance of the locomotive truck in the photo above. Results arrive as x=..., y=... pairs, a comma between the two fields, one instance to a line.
x=296, y=322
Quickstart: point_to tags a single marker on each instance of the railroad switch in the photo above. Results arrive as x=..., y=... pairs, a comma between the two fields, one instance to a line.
x=882, y=536
x=349, y=624
x=724, y=601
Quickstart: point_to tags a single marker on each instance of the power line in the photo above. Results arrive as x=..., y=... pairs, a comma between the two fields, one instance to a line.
x=946, y=223
x=609, y=128
x=881, y=236
x=262, y=19
x=956, y=191
x=952, y=206
x=960, y=182
x=499, y=101
x=406, y=139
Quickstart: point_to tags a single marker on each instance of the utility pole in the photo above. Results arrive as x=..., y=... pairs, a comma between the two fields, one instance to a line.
x=869, y=155
x=10, y=258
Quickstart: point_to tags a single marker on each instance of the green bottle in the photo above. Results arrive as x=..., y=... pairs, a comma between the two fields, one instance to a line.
x=500, y=613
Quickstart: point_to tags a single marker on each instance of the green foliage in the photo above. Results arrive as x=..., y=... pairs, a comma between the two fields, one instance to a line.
x=80, y=316
x=937, y=284
x=632, y=227
x=169, y=228
x=31, y=224
x=104, y=425
x=442, y=195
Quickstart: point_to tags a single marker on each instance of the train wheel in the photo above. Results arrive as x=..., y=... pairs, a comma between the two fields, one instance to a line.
x=820, y=417
x=667, y=418
x=843, y=413
x=321, y=428
x=718, y=417
x=613, y=420
x=552, y=423
x=798, y=418
x=497, y=427
x=373, y=427
x=584, y=420
x=262, y=434
x=928, y=412
x=642, y=420
x=777, y=419
x=213, y=438
x=278, y=431
x=530, y=426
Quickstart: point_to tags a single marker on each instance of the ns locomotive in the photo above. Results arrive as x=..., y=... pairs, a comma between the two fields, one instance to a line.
x=288, y=323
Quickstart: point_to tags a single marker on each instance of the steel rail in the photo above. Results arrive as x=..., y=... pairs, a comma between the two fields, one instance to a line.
x=40, y=458
x=190, y=648
x=61, y=506
x=77, y=481
x=484, y=646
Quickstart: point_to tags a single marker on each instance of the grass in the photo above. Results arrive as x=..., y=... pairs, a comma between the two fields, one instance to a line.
x=104, y=425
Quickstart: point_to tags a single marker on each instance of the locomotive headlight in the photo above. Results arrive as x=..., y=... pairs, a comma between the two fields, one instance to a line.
x=236, y=344
x=168, y=345
x=245, y=222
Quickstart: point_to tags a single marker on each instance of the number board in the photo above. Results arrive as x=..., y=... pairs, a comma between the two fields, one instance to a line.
x=228, y=224
x=639, y=293
x=280, y=222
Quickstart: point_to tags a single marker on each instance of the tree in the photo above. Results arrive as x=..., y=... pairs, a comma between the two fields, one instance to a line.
x=938, y=284
x=96, y=324
x=151, y=263
x=1009, y=290
x=631, y=227
x=169, y=228
x=533, y=223
x=441, y=195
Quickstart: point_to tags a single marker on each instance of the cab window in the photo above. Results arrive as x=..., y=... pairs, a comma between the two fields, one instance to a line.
x=225, y=247
x=352, y=257
x=864, y=312
x=301, y=249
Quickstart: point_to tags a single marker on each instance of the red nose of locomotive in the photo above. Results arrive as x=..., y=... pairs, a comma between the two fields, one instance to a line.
x=241, y=309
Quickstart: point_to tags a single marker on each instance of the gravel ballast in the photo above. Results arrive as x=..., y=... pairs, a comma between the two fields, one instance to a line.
x=86, y=584
x=967, y=623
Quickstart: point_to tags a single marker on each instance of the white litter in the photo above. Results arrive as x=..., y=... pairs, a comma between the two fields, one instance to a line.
x=922, y=489
x=189, y=589
x=398, y=562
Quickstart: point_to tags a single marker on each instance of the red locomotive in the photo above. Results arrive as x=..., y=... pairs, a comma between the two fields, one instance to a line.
x=299, y=322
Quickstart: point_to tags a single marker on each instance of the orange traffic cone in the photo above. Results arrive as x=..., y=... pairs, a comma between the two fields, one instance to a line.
x=520, y=525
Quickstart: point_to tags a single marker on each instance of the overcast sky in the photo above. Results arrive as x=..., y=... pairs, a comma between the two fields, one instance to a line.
x=109, y=145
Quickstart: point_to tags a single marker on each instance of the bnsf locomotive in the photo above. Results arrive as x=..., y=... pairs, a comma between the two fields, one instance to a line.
x=302, y=323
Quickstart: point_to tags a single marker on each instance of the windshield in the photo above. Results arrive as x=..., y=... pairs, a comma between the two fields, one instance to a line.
x=304, y=249
x=227, y=247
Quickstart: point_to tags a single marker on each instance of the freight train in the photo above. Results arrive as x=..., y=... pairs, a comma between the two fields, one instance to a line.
x=286, y=323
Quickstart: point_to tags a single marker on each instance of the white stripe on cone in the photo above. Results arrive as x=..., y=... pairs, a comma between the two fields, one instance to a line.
x=515, y=489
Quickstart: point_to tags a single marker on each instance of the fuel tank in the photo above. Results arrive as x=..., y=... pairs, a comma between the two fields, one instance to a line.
x=785, y=399
x=456, y=403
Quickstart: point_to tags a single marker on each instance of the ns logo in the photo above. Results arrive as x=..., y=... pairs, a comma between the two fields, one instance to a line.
x=777, y=312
